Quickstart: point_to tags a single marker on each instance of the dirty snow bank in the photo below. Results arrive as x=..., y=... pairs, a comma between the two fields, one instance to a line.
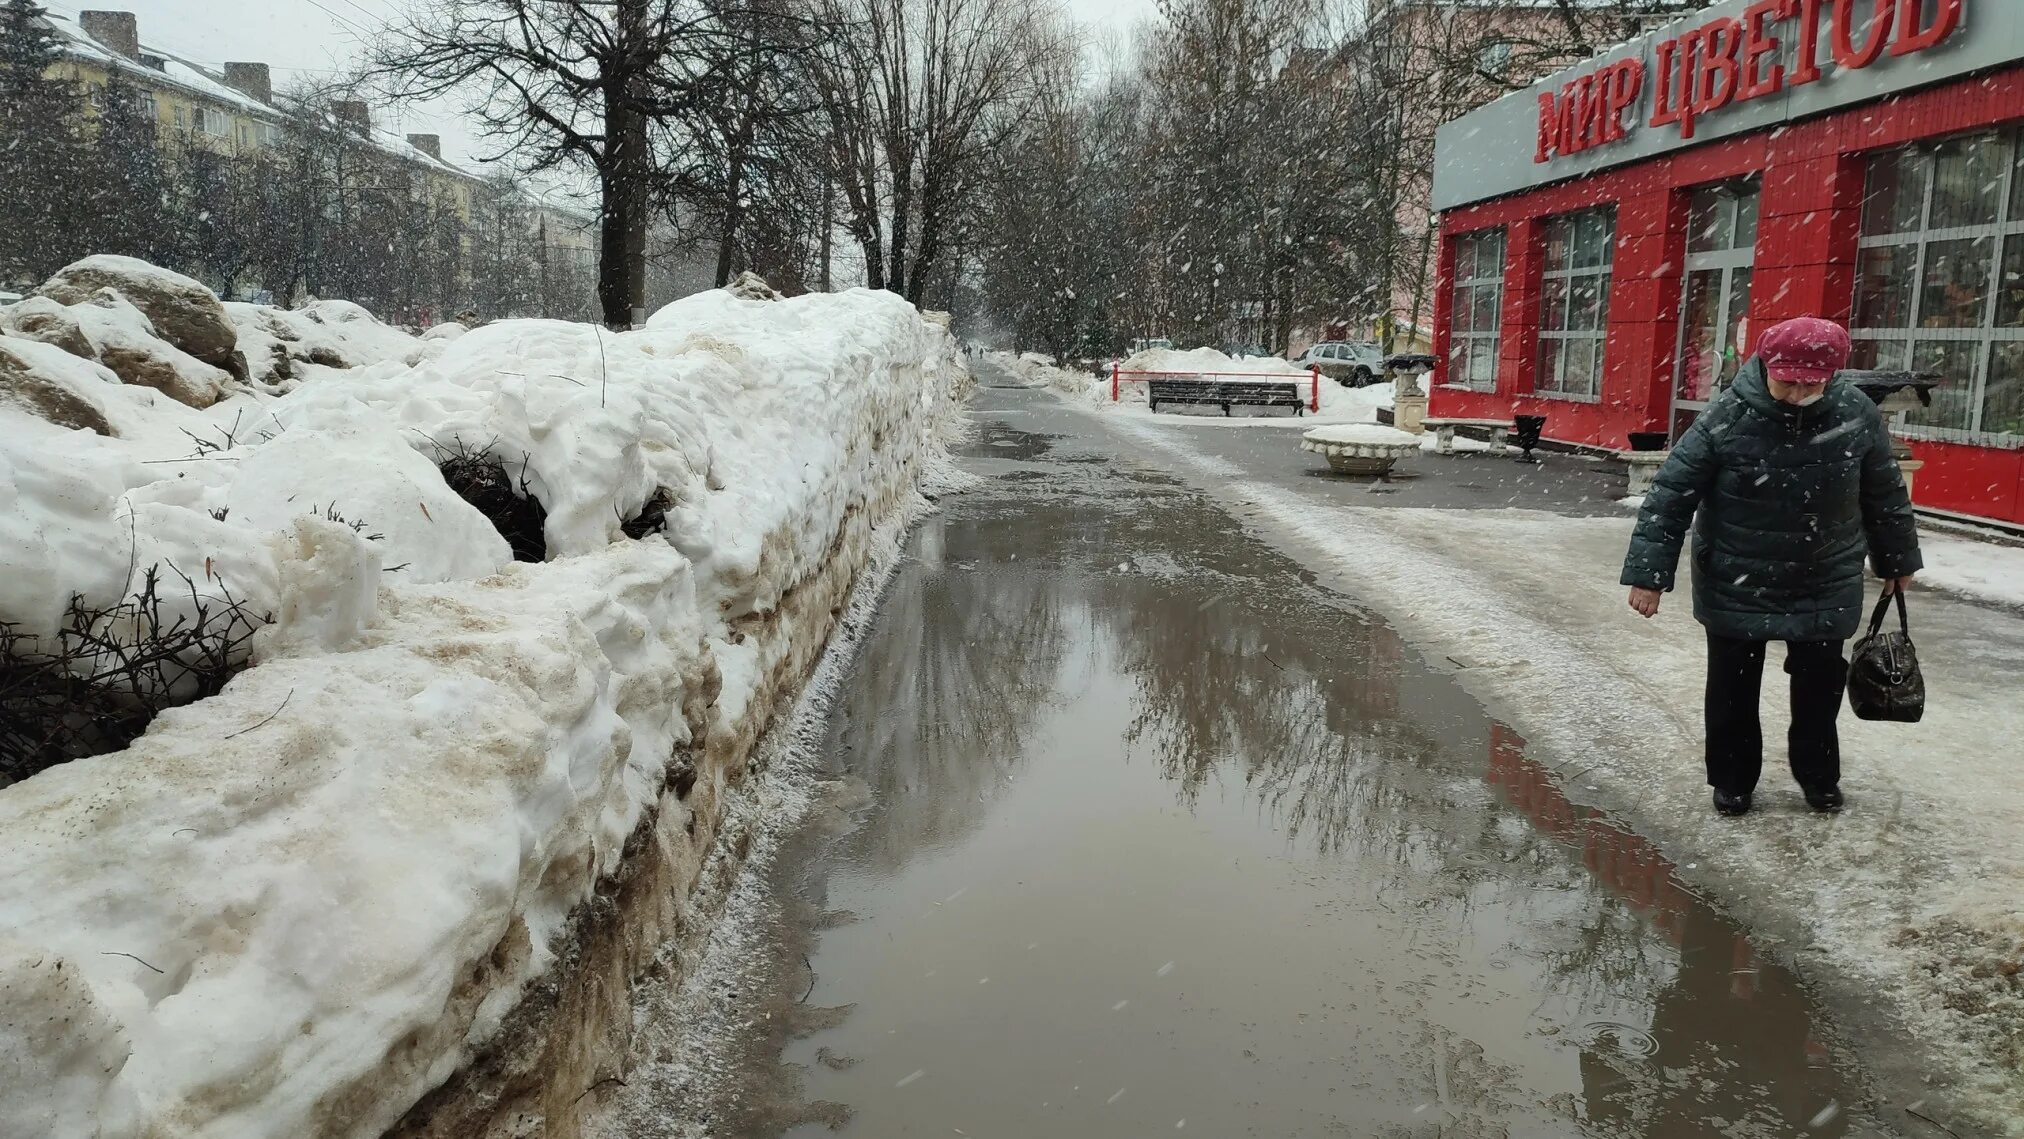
x=284, y=346
x=296, y=907
x=1906, y=908
x=158, y=329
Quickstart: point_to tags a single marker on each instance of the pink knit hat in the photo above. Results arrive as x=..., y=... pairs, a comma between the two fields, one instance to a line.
x=1808, y=350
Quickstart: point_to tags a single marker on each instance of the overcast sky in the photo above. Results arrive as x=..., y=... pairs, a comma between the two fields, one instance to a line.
x=320, y=36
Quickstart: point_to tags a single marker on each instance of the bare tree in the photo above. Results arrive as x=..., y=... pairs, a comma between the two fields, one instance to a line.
x=569, y=85
x=1052, y=229
x=919, y=94
x=738, y=167
x=1506, y=45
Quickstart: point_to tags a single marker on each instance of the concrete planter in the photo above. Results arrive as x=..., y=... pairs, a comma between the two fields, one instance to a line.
x=1409, y=413
x=1365, y=449
x=1644, y=467
x=1908, y=468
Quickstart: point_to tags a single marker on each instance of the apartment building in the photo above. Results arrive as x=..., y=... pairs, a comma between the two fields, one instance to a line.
x=233, y=109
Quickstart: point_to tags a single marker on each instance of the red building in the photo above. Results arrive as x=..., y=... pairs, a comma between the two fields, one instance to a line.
x=1614, y=237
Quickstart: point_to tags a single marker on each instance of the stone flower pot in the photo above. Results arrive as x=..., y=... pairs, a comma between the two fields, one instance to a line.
x=1367, y=449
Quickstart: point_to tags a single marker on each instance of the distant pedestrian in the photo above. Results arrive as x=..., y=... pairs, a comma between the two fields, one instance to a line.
x=1787, y=481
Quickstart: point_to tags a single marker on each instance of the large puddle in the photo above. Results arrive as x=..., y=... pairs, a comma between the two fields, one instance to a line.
x=1155, y=836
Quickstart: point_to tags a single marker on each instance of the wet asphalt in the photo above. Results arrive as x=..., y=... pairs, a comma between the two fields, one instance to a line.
x=1266, y=449
x=1139, y=830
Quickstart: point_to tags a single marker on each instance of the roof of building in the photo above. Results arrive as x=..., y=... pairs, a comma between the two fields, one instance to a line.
x=172, y=70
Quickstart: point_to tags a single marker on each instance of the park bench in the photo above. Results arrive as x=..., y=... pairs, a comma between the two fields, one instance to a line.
x=1444, y=430
x=1227, y=392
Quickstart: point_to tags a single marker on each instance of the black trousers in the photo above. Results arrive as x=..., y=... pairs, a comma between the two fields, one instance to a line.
x=1736, y=738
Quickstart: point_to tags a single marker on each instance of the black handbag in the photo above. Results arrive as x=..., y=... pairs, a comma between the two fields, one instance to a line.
x=1884, y=681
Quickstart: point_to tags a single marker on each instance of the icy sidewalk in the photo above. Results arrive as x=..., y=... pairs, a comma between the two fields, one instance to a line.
x=1906, y=908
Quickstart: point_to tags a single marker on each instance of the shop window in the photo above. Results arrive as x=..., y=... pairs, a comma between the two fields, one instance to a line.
x=1478, y=310
x=1574, y=303
x=1721, y=250
x=1940, y=281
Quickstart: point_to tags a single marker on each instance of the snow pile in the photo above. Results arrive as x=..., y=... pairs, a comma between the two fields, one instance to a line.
x=282, y=345
x=179, y=310
x=1208, y=361
x=1039, y=371
x=297, y=906
x=151, y=329
x=156, y=329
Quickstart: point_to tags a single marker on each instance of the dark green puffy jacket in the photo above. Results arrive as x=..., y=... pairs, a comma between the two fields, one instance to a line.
x=1783, y=501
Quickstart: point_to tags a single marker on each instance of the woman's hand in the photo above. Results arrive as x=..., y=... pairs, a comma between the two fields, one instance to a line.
x=1897, y=584
x=1646, y=601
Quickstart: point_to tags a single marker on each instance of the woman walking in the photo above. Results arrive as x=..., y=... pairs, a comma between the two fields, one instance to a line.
x=1787, y=481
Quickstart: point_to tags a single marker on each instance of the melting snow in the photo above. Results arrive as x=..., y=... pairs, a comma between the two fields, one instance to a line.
x=274, y=905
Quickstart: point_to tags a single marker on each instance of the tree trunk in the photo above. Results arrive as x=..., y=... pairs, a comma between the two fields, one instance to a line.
x=1419, y=288
x=727, y=241
x=828, y=227
x=622, y=244
x=874, y=261
x=614, y=282
x=902, y=233
x=622, y=255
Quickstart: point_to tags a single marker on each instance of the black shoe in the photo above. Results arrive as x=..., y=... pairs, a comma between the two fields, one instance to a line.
x=1824, y=799
x=1731, y=805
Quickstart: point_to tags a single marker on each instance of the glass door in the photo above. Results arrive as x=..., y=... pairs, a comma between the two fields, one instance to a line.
x=1715, y=303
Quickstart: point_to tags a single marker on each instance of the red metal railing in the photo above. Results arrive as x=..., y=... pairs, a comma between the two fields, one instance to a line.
x=1118, y=380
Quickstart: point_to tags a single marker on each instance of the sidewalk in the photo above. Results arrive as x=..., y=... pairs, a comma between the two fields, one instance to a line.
x=1906, y=909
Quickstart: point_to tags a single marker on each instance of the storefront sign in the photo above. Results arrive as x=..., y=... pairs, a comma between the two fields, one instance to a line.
x=1737, y=59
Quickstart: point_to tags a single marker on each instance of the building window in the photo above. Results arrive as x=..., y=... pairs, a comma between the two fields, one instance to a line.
x=1721, y=248
x=1574, y=303
x=1494, y=59
x=1478, y=310
x=217, y=124
x=182, y=117
x=1940, y=281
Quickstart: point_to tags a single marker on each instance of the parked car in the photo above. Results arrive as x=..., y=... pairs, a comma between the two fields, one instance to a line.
x=1351, y=362
x=1147, y=344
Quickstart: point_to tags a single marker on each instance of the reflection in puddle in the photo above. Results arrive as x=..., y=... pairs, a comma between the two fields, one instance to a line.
x=1209, y=850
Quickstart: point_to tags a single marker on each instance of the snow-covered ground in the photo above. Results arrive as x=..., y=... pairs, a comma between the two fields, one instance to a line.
x=1909, y=907
x=295, y=907
x=1988, y=570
